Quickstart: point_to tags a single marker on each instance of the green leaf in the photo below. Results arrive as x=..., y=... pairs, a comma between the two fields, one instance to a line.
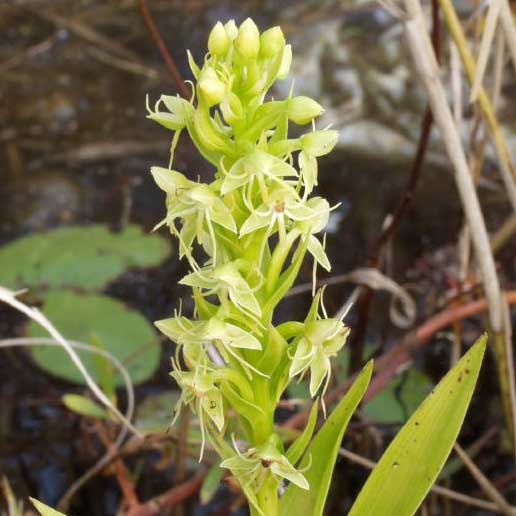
x=399, y=398
x=211, y=482
x=88, y=257
x=323, y=452
x=84, y=406
x=45, y=510
x=123, y=332
x=410, y=465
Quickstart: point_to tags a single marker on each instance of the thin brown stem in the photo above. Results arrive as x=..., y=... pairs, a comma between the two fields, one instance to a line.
x=366, y=298
x=165, y=54
x=488, y=488
x=158, y=505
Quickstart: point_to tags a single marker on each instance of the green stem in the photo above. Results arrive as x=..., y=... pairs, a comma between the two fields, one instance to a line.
x=267, y=496
x=265, y=423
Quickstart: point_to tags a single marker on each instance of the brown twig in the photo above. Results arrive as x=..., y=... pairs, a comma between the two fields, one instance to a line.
x=488, y=488
x=156, y=506
x=366, y=298
x=87, y=33
x=167, y=58
x=29, y=53
x=121, y=472
x=390, y=362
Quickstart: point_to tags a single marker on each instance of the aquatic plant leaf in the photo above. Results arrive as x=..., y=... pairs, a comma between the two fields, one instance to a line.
x=411, y=463
x=123, y=332
x=45, y=510
x=321, y=455
x=84, y=406
x=88, y=257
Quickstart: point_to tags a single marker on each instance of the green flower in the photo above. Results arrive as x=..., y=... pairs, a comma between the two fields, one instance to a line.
x=179, y=113
x=226, y=279
x=309, y=226
x=196, y=204
x=282, y=207
x=199, y=388
x=250, y=467
x=262, y=188
x=182, y=331
x=227, y=337
x=313, y=145
x=321, y=339
x=259, y=167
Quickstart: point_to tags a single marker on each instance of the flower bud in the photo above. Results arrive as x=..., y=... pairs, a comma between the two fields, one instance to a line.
x=218, y=42
x=319, y=143
x=211, y=87
x=302, y=110
x=231, y=29
x=286, y=61
x=272, y=42
x=232, y=109
x=247, y=42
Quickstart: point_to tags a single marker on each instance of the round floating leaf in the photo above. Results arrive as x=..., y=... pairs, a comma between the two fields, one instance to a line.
x=87, y=257
x=123, y=332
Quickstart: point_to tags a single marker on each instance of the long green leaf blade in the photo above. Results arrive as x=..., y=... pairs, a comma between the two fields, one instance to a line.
x=411, y=463
x=45, y=510
x=322, y=453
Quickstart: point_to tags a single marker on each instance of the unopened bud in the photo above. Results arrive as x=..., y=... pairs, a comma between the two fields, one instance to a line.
x=211, y=87
x=272, y=42
x=319, y=143
x=231, y=29
x=218, y=42
x=302, y=110
x=286, y=61
x=247, y=42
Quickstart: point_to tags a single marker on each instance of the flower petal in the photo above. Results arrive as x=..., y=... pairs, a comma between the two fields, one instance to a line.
x=317, y=251
x=319, y=368
x=256, y=220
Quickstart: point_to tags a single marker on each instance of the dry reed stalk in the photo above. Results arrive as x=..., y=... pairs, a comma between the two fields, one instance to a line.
x=428, y=69
x=507, y=169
